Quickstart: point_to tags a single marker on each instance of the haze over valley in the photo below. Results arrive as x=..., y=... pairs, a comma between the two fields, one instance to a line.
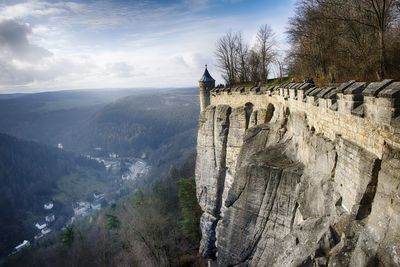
x=72, y=145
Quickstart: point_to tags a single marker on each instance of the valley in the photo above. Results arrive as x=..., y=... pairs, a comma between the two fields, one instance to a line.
x=116, y=141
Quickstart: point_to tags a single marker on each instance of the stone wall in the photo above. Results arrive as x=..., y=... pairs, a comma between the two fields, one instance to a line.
x=296, y=175
x=367, y=115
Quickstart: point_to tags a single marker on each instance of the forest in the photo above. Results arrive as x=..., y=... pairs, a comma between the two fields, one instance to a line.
x=156, y=225
x=339, y=40
x=127, y=122
x=331, y=41
x=31, y=174
x=158, y=126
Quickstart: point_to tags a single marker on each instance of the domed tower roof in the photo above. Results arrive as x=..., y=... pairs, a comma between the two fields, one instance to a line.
x=206, y=77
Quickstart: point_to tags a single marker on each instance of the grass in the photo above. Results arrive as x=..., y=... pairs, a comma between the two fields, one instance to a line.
x=278, y=81
x=270, y=82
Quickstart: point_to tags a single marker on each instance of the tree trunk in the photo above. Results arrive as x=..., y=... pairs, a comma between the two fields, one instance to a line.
x=382, y=56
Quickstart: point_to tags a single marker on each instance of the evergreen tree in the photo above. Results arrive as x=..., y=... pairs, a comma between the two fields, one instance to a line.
x=190, y=208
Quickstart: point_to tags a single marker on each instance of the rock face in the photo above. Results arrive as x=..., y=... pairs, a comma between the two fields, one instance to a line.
x=276, y=193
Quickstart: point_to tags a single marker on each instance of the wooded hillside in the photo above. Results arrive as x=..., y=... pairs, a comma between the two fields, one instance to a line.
x=340, y=40
x=30, y=176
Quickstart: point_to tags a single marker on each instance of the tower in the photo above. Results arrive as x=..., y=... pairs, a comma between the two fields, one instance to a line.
x=206, y=83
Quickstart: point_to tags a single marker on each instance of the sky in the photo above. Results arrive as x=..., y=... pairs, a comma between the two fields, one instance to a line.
x=57, y=45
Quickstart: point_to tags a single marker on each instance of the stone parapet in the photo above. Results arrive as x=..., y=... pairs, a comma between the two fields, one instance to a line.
x=366, y=114
x=376, y=87
x=385, y=107
x=351, y=98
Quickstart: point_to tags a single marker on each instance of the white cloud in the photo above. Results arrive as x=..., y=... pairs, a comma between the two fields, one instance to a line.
x=66, y=45
x=15, y=44
x=37, y=9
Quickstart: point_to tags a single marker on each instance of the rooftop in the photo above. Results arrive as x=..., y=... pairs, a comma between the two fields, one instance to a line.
x=206, y=77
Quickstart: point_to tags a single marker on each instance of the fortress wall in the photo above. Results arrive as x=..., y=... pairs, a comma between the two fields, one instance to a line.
x=366, y=121
x=361, y=167
x=236, y=100
x=347, y=139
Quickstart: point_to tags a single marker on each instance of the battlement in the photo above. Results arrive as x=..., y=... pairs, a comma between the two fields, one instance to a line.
x=367, y=114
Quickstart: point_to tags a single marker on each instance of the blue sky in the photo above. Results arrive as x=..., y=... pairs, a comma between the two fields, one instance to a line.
x=53, y=45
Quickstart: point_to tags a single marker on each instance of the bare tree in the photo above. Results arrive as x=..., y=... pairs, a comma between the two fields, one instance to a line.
x=382, y=15
x=265, y=44
x=242, y=53
x=226, y=56
x=339, y=39
x=241, y=65
x=279, y=64
x=254, y=66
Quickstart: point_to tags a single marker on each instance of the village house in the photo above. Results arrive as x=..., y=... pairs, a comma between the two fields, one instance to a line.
x=98, y=196
x=81, y=208
x=113, y=155
x=22, y=246
x=50, y=218
x=46, y=231
x=38, y=236
x=48, y=206
x=95, y=205
x=41, y=225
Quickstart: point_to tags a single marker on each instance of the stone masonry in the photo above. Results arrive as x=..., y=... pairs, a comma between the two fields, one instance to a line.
x=296, y=175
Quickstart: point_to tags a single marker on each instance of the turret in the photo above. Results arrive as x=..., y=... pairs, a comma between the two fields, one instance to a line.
x=206, y=83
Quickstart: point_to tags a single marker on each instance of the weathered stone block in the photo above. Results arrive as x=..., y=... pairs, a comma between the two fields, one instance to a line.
x=373, y=89
x=292, y=93
x=348, y=102
x=355, y=88
x=391, y=91
x=344, y=86
x=311, y=90
x=324, y=92
x=281, y=91
x=356, y=177
x=300, y=95
x=323, y=103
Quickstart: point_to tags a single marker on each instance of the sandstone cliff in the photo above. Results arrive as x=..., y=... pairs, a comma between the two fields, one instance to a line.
x=278, y=187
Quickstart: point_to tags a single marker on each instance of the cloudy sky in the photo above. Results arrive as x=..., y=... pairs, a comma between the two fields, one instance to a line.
x=53, y=45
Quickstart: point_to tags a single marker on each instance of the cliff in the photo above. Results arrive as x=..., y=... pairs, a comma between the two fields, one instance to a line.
x=301, y=176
